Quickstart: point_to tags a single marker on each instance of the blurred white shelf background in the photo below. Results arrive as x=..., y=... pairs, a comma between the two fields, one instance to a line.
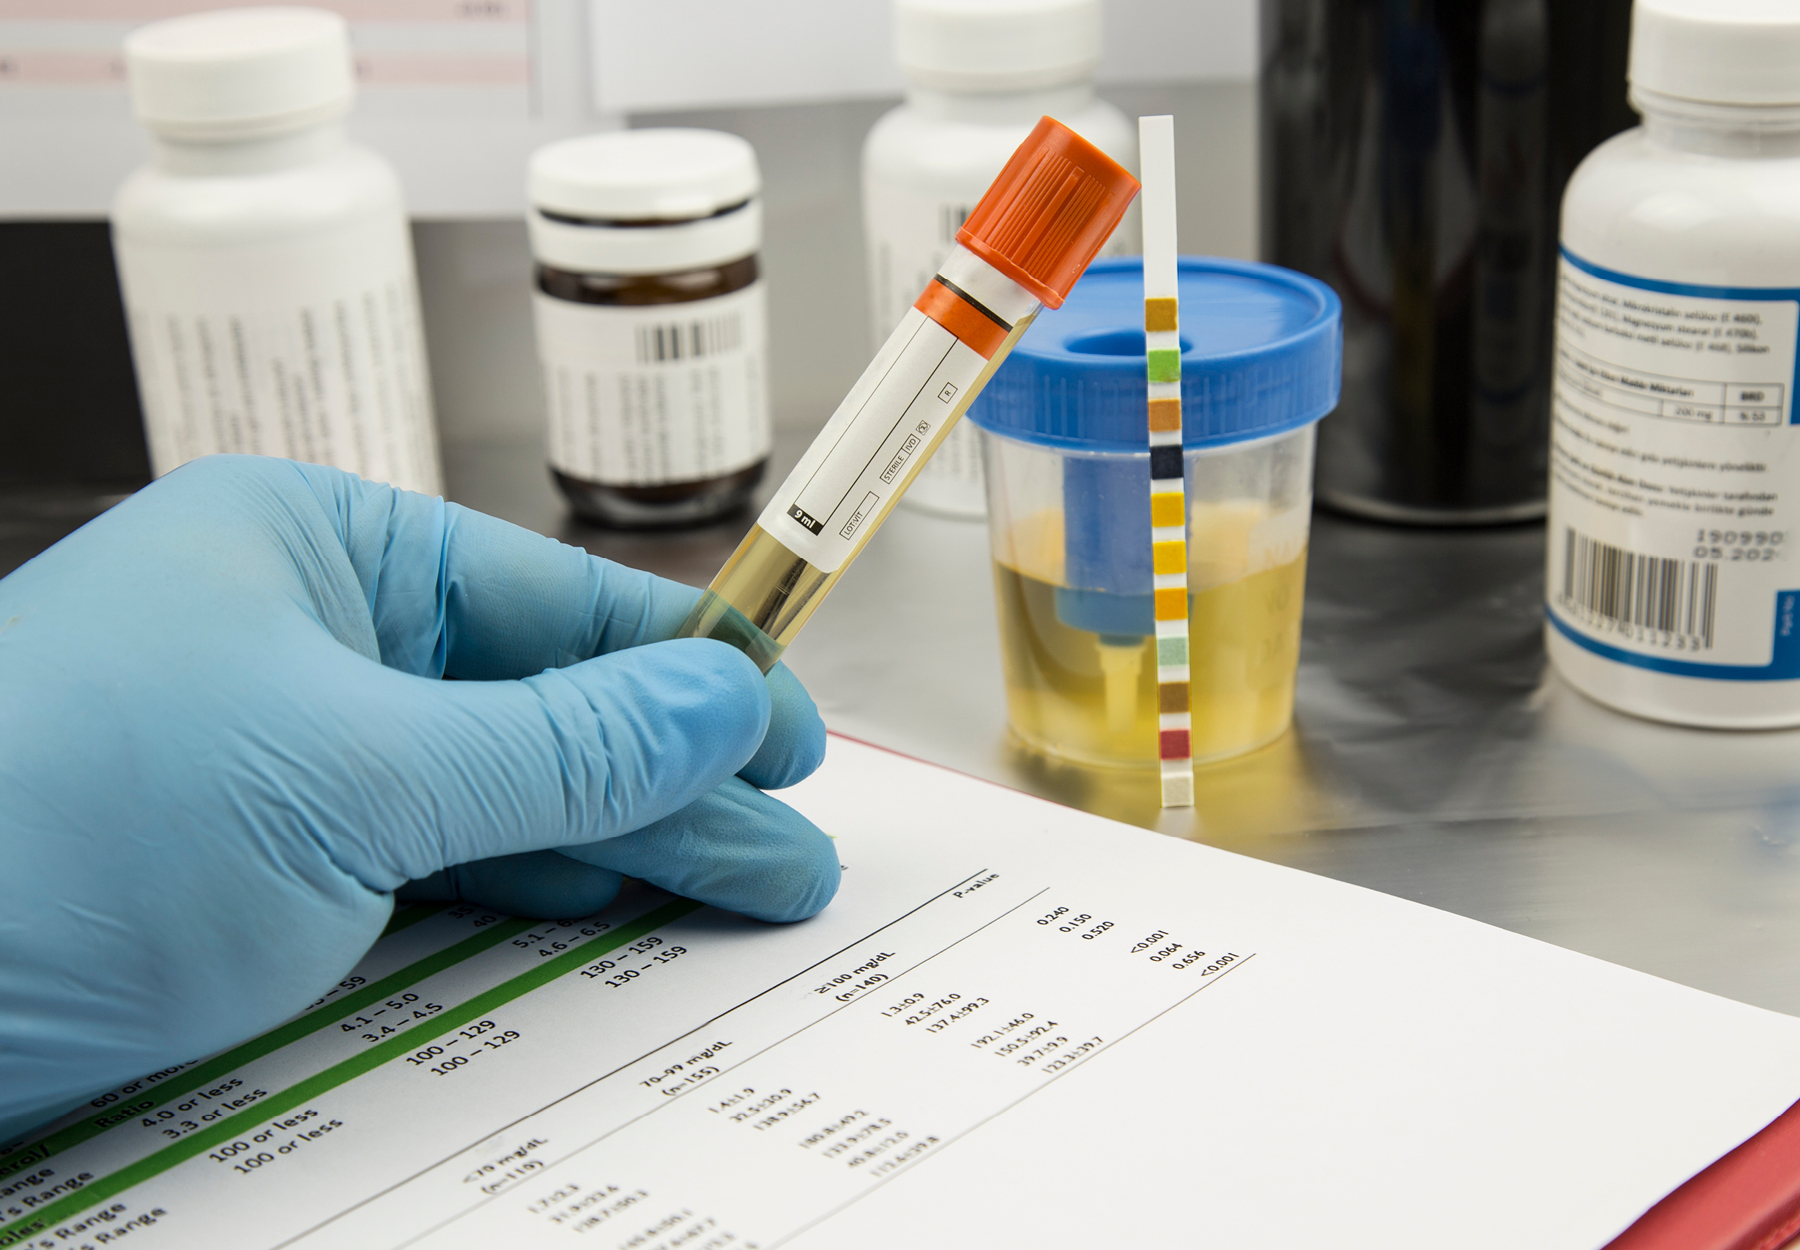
x=457, y=92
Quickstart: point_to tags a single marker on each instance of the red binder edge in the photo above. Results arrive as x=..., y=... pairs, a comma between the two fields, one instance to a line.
x=1748, y=1200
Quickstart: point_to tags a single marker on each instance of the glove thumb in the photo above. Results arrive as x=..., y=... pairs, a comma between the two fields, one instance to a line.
x=443, y=773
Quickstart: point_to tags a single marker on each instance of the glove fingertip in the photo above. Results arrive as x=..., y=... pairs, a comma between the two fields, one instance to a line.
x=800, y=874
x=731, y=675
x=735, y=848
x=794, y=745
x=643, y=732
x=815, y=891
x=736, y=688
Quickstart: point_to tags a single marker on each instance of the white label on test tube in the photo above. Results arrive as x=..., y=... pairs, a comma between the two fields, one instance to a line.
x=898, y=411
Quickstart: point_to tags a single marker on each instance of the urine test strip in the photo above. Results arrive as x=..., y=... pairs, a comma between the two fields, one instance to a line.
x=1168, y=497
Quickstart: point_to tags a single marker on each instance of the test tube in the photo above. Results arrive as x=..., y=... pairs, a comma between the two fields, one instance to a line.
x=1027, y=241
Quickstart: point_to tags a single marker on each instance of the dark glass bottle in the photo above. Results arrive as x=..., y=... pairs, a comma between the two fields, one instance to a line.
x=650, y=324
x=1414, y=154
x=666, y=504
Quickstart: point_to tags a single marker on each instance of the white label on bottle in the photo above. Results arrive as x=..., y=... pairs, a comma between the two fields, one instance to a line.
x=910, y=235
x=874, y=442
x=311, y=350
x=1674, y=497
x=641, y=395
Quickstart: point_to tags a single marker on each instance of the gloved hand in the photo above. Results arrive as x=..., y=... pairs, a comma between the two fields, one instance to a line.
x=224, y=745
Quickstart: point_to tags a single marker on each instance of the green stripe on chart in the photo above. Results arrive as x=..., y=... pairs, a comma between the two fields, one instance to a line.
x=113, y=1183
x=205, y=1073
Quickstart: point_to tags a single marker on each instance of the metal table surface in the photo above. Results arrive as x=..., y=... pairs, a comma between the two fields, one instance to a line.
x=1434, y=755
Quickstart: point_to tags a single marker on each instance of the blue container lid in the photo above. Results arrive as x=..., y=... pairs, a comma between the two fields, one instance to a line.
x=1261, y=353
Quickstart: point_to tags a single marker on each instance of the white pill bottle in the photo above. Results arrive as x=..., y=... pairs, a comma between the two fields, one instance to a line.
x=1674, y=529
x=979, y=75
x=265, y=261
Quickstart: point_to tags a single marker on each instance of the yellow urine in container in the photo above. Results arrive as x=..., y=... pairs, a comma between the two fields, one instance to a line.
x=1093, y=699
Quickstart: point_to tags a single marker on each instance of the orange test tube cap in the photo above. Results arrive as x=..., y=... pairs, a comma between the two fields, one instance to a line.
x=1050, y=210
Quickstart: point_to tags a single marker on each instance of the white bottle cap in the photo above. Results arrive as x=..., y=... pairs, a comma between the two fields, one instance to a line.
x=643, y=175
x=240, y=73
x=702, y=183
x=997, y=45
x=1717, y=51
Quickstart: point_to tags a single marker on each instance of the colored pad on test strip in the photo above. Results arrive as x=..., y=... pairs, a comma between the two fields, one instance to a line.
x=1168, y=492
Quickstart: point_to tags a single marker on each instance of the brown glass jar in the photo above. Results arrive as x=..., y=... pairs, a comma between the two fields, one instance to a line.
x=650, y=324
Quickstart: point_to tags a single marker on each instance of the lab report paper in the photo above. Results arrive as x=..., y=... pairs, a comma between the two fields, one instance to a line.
x=1018, y=1025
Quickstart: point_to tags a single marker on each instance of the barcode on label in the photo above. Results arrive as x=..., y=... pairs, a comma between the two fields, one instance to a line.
x=689, y=340
x=1651, y=592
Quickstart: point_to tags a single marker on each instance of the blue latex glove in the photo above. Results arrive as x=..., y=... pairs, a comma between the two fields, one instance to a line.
x=224, y=745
